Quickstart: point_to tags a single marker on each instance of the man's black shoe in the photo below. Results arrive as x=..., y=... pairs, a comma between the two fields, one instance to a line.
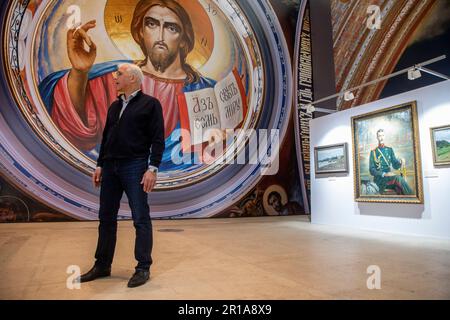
x=139, y=278
x=95, y=273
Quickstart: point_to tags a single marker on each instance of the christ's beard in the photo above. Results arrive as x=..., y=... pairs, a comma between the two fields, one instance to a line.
x=162, y=60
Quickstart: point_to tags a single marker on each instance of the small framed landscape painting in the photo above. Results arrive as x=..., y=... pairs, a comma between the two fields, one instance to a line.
x=331, y=158
x=440, y=143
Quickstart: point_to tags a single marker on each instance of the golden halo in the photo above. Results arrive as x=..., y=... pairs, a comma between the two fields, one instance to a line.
x=119, y=13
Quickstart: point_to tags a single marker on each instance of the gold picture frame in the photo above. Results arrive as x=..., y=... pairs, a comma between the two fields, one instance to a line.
x=440, y=158
x=386, y=155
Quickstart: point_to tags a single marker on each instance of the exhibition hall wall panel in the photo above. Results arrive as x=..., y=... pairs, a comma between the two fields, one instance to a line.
x=333, y=200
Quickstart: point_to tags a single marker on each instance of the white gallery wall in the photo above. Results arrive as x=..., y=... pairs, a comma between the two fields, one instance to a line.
x=332, y=196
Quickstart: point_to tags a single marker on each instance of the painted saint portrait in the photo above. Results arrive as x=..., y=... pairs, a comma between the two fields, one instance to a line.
x=387, y=155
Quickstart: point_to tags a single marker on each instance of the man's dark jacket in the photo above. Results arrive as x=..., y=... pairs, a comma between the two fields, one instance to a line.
x=140, y=128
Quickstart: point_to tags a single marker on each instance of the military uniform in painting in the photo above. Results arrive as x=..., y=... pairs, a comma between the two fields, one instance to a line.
x=383, y=161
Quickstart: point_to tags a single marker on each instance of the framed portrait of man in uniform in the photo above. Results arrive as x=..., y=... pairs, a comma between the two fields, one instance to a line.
x=386, y=154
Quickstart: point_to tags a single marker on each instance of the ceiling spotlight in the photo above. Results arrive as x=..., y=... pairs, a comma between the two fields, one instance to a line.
x=349, y=96
x=310, y=108
x=414, y=73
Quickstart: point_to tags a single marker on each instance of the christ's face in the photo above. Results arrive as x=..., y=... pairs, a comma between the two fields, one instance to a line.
x=162, y=32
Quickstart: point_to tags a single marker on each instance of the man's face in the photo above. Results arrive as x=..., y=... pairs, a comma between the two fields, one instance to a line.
x=162, y=33
x=380, y=137
x=122, y=78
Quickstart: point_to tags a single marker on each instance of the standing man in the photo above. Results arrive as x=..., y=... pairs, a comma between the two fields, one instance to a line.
x=382, y=162
x=134, y=124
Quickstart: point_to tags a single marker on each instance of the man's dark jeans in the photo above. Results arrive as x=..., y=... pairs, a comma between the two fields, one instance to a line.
x=119, y=176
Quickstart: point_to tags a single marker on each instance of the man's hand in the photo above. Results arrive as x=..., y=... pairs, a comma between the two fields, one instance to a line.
x=149, y=180
x=81, y=59
x=389, y=174
x=97, y=177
